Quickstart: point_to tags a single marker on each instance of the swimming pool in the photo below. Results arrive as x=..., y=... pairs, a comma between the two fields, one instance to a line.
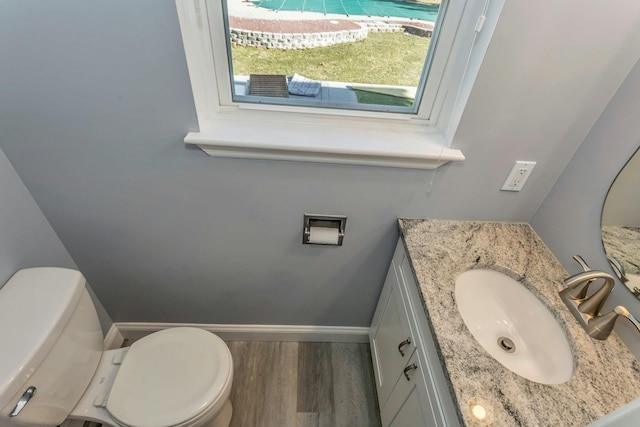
x=396, y=8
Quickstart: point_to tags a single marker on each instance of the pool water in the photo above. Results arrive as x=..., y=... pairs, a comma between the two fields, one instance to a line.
x=395, y=8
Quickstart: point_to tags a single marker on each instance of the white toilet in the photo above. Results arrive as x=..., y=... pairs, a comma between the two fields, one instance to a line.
x=53, y=368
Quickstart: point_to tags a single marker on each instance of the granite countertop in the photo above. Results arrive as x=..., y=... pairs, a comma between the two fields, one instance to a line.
x=606, y=375
x=623, y=243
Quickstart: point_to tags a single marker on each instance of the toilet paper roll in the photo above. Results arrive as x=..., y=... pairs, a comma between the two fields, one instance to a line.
x=324, y=236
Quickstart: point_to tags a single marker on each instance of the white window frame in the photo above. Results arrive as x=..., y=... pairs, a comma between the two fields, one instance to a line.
x=284, y=132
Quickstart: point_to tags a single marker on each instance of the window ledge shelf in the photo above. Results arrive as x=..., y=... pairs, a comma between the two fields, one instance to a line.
x=326, y=139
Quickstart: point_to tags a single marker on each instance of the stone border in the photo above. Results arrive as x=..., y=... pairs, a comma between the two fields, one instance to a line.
x=288, y=41
x=295, y=40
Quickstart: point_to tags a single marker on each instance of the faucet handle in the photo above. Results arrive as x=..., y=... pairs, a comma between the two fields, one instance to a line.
x=580, y=291
x=576, y=287
x=622, y=311
x=600, y=327
x=617, y=267
x=582, y=262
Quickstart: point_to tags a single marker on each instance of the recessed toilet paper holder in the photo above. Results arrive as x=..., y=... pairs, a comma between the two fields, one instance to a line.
x=323, y=229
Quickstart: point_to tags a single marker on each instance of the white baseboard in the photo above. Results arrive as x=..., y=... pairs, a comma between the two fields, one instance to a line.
x=136, y=330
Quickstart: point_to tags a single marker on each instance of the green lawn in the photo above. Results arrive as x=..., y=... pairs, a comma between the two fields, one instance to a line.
x=382, y=58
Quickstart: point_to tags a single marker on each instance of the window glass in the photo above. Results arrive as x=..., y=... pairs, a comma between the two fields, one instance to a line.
x=350, y=54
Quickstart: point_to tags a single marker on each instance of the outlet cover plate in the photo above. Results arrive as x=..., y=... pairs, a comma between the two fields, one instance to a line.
x=518, y=175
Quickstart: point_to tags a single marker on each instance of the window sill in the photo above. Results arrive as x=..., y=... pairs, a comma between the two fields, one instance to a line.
x=303, y=137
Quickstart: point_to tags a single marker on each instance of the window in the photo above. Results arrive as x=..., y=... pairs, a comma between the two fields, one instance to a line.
x=367, y=55
x=266, y=121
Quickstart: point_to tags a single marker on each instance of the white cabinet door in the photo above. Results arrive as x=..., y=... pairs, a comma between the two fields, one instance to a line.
x=405, y=407
x=392, y=343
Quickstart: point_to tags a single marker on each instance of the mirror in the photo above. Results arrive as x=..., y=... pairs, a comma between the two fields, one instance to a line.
x=620, y=224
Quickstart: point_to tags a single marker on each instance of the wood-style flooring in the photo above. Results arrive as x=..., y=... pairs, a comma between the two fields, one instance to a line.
x=302, y=384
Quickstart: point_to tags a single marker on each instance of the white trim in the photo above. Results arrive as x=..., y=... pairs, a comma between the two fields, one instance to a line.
x=317, y=138
x=379, y=143
x=326, y=111
x=278, y=135
x=198, y=51
x=466, y=67
x=136, y=330
x=447, y=37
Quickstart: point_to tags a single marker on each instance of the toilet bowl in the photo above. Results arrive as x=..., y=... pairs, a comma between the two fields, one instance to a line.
x=56, y=370
x=174, y=377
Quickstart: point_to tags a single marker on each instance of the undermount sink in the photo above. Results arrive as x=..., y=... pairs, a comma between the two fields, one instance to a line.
x=513, y=326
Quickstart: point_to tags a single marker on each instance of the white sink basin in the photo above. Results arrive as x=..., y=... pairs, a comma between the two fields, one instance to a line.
x=513, y=326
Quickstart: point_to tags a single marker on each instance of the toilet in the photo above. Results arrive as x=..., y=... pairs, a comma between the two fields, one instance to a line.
x=53, y=367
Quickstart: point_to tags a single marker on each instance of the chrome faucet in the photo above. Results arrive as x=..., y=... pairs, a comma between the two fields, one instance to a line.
x=576, y=288
x=586, y=309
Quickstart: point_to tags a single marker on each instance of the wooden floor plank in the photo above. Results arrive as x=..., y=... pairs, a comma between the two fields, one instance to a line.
x=355, y=398
x=315, y=382
x=307, y=419
x=283, y=384
x=243, y=412
x=265, y=383
x=369, y=384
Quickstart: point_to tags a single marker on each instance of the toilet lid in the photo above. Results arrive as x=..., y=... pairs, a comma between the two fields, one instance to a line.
x=170, y=377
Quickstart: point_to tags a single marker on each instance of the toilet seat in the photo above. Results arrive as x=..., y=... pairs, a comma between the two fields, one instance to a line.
x=171, y=378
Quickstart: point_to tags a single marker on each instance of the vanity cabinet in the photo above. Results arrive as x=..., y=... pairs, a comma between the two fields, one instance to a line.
x=412, y=388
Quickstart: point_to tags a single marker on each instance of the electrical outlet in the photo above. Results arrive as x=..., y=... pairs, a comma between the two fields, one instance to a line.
x=518, y=176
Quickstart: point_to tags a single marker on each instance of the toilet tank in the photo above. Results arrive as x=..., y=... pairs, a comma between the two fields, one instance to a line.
x=50, y=339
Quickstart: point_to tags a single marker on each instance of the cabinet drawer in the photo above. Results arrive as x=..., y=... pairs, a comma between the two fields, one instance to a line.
x=392, y=339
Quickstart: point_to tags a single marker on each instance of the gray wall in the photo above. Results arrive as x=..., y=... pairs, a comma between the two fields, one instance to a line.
x=623, y=199
x=569, y=219
x=95, y=101
x=26, y=238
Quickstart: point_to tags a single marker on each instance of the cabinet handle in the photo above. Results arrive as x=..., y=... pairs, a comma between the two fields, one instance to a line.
x=408, y=369
x=402, y=344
